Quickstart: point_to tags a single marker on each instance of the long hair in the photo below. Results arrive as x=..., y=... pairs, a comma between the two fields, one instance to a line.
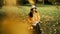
x=31, y=12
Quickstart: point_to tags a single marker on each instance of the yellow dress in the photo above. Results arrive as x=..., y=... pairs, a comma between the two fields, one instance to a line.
x=32, y=20
x=36, y=17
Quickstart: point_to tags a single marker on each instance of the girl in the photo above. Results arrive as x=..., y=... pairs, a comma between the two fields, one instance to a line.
x=34, y=19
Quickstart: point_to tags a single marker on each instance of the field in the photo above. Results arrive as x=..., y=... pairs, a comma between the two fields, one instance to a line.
x=14, y=19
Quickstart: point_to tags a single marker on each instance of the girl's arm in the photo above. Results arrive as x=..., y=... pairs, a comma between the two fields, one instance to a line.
x=30, y=23
x=38, y=16
x=29, y=20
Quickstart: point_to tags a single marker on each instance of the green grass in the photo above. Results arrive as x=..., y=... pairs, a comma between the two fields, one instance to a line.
x=50, y=16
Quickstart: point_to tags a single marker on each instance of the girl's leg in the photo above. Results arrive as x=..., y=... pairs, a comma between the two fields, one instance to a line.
x=38, y=31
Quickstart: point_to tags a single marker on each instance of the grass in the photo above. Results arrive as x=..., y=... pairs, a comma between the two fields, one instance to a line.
x=50, y=16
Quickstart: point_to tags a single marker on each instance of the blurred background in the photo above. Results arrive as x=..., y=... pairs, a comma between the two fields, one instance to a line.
x=27, y=2
x=14, y=14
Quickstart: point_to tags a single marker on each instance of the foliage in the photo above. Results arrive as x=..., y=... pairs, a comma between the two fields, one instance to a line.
x=22, y=2
x=1, y=3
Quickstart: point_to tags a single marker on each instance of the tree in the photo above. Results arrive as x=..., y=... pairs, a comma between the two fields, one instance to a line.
x=22, y=2
x=1, y=3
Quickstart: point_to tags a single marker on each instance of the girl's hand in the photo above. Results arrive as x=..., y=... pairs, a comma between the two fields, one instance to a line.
x=30, y=28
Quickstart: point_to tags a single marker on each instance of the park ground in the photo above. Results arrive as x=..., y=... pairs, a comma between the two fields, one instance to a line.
x=14, y=19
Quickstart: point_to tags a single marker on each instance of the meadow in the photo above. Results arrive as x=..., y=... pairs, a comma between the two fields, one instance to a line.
x=50, y=16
